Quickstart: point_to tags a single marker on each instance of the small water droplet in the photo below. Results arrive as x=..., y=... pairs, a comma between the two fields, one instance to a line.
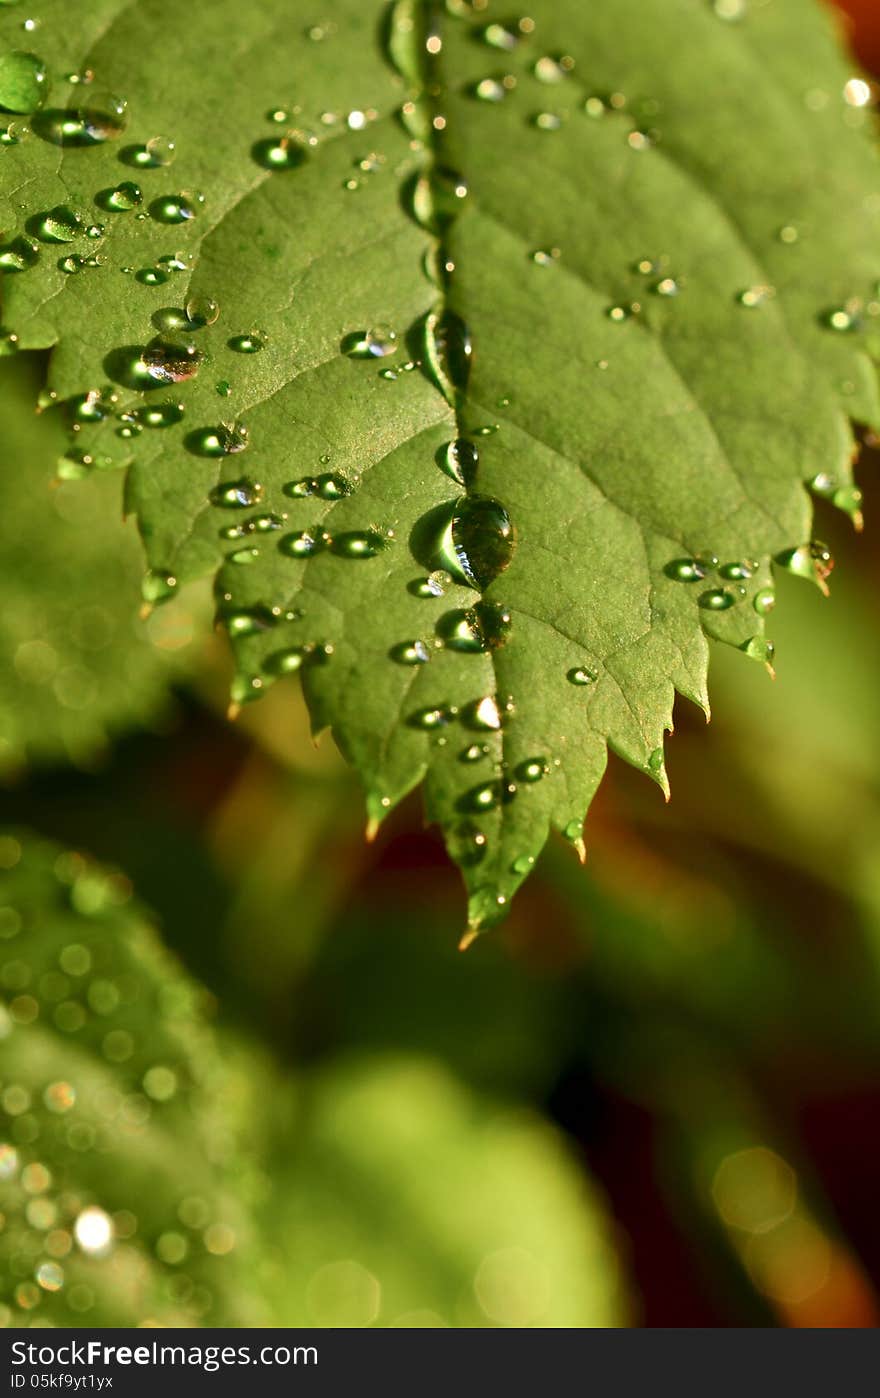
x=159, y=414
x=546, y=257
x=376, y=343
x=499, y=36
x=843, y=319
x=247, y=344
x=716, y=599
x=522, y=864
x=410, y=653
x=812, y=561
x=655, y=760
x=289, y=660
x=151, y=276
x=176, y=208
x=488, y=796
x=305, y=544
x=448, y=352
x=547, y=121
x=359, y=543
x=764, y=601
x=760, y=649
x=483, y=627
x=532, y=770
x=431, y=718
x=474, y=753
x=736, y=572
x=574, y=830
x=201, y=311
x=157, y=586
x=22, y=81
x=237, y=495
x=227, y=439
x=685, y=570
x=490, y=90
x=552, y=70
x=459, y=460
x=754, y=296
x=279, y=152
x=8, y=343
x=582, y=675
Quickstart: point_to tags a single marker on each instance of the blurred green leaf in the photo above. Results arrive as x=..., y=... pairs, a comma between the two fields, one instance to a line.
x=77, y=667
x=402, y=1198
x=120, y=1178
x=669, y=325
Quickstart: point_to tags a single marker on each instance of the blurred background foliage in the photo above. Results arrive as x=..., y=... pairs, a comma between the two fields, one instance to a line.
x=266, y=1088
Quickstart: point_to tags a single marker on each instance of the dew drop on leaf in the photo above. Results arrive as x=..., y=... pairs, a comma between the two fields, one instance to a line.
x=170, y=361
x=279, y=153
x=359, y=543
x=410, y=653
x=22, y=81
x=122, y=198
x=459, y=460
x=685, y=570
x=201, y=311
x=237, y=495
x=716, y=599
x=305, y=544
x=483, y=627
x=60, y=225
x=764, y=601
x=582, y=675
x=246, y=344
x=431, y=718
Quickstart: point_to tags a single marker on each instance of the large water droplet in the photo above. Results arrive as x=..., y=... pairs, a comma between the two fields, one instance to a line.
x=812, y=561
x=685, y=570
x=159, y=414
x=60, y=225
x=22, y=81
x=764, y=601
x=477, y=541
x=532, y=770
x=170, y=361
x=483, y=627
x=102, y=118
x=176, y=208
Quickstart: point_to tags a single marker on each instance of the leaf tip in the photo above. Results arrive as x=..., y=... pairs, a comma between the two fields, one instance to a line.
x=233, y=710
x=469, y=937
x=371, y=829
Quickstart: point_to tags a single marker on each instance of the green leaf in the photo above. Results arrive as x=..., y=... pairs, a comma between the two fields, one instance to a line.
x=374, y=1153
x=77, y=666
x=661, y=243
x=122, y=1194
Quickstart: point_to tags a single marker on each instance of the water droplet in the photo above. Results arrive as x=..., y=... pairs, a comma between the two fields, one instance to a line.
x=655, y=760
x=359, y=543
x=475, y=540
x=60, y=225
x=248, y=621
x=375, y=343
x=583, y=674
x=237, y=495
x=666, y=286
x=159, y=414
x=410, y=653
x=717, y=599
x=459, y=459
x=305, y=544
x=848, y=498
x=490, y=90
x=170, y=361
x=448, y=351
x=552, y=70
x=431, y=718
x=812, y=561
x=288, y=661
x=844, y=319
x=279, y=152
x=227, y=439
x=764, y=601
x=103, y=118
x=176, y=208
x=247, y=344
x=686, y=570
x=760, y=649
x=223, y=388
x=522, y=864
x=499, y=36
x=488, y=796
x=201, y=311
x=159, y=152
x=244, y=556
x=532, y=770
x=13, y=133
x=474, y=753
x=736, y=572
x=546, y=257
x=483, y=627
x=547, y=121
x=157, y=586
x=151, y=276
x=574, y=830
x=755, y=296
x=18, y=255
x=484, y=713
x=121, y=199
x=8, y=343
x=22, y=81
x=857, y=92
x=788, y=233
